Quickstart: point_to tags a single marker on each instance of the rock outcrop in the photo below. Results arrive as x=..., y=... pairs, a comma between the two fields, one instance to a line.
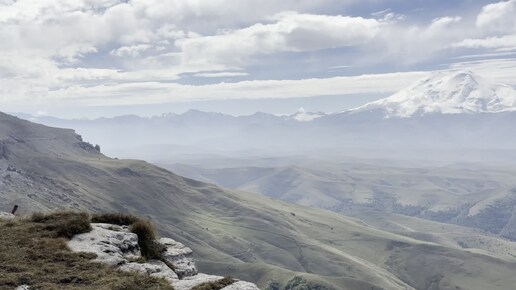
x=179, y=256
x=153, y=268
x=6, y=215
x=114, y=245
x=117, y=246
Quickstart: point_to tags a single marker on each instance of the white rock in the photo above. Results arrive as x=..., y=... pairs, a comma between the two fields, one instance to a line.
x=115, y=245
x=241, y=285
x=112, y=244
x=179, y=256
x=23, y=287
x=112, y=227
x=153, y=268
x=6, y=216
x=189, y=282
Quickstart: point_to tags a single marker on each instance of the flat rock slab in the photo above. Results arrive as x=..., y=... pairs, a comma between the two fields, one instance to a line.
x=112, y=244
x=179, y=256
x=189, y=282
x=241, y=285
x=6, y=216
x=153, y=268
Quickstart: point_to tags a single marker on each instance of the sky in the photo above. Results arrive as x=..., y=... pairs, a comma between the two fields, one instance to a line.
x=91, y=58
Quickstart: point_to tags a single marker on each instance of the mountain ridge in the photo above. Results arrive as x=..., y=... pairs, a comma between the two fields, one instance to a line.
x=445, y=93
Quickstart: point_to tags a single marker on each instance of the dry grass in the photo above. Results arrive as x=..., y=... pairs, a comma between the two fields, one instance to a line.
x=146, y=240
x=34, y=252
x=63, y=224
x=120, y=219
x=215, y=285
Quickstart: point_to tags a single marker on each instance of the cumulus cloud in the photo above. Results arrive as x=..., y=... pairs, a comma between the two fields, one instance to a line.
x=441, y=23
x=497, y=26
x=132, y=50
x=290, y=32
x=410, y=44
x=498, y=17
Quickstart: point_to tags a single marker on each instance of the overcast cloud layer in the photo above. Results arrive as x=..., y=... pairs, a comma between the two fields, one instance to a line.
x=99, y=53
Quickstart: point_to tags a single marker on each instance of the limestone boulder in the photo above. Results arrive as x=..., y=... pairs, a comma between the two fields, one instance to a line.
x=179, y=256
x=6, y=215
x=190, y=282
x=241, y=285
x=112, y=244
x=153, y=268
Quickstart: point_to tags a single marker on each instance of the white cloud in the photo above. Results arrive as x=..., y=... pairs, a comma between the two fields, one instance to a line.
x=439, y=24
x=291, y=32
x=156, y=92
x=497, y=70
x=498, y=17
x=220, y=74
x=388, y=16
x=117, y=51
x=412, y=44
x=132, y=50
x=506, y=42
x=496, y=25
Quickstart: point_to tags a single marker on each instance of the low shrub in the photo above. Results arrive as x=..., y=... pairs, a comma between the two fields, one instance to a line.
x=121, y=219
x=146, y=239
x=216, y=285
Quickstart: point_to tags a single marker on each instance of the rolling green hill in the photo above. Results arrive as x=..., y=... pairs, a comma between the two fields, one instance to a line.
x=473, y=195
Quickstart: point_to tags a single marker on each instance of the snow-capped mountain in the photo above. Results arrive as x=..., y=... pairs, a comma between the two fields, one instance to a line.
x=446, y=93
x=303, y=116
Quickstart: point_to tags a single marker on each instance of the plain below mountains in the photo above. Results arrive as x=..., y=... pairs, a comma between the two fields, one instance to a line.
x=471, y=195
x=245, y=235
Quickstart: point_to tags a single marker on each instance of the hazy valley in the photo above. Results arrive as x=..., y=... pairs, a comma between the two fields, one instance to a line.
x=245, y=145
x=389, y=221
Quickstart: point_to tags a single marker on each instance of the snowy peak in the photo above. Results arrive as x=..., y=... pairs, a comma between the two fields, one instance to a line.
x=303, y=116
x=446, y=93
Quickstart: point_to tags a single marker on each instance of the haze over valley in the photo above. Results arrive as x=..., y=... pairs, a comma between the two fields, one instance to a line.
x=244, y=145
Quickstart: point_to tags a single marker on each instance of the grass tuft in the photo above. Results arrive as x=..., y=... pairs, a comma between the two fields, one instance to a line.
x=216, y=285
x=65, y=224
x=146, y=239
x=120, y=219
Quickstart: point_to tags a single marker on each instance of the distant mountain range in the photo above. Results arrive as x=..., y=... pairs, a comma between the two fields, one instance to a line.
x=446, y=116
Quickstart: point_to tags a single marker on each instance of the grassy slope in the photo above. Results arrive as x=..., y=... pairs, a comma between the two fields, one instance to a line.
x=259, y=239
x=246, y=235
x=468, y=195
